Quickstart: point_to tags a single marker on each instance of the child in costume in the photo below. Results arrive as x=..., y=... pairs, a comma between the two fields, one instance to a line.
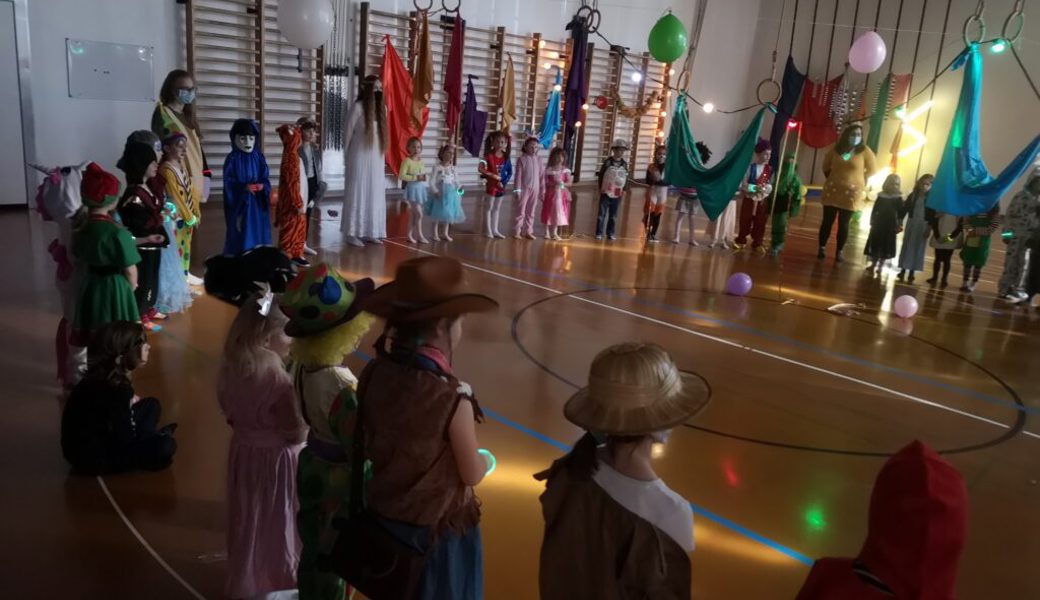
x=291, y=213
x=916, y=231
x=916, y=531
x=754, y=211
x=256, y=396
x=174, y=294
x=530, y=186
x=326, y=324
x=556, y=204
x=364, y=148
x=109, y=257
x=613, y=179
x=977, y=232
x=885, y=220
x=310, y=153
x=247, y=191
x=413, y=174
x=656, y=194
x=604, y=505
x=181, y=191
x=141, y=211
x=105, y=427
x=946, y=237
x=58, y=200
x=419, y=426
x=1021, y=224
x=445, y=203
x=786, y=202
x=688, y=204
x=496, y=170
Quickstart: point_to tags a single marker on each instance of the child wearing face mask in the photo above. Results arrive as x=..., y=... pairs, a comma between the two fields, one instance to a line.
x=916, y=231
x=606, y=510
x=247, y=191
x=176, y=113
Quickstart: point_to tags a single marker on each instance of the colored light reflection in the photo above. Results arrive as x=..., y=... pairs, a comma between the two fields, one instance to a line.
x=732, y=478
x=492, y=462
x=815, y=518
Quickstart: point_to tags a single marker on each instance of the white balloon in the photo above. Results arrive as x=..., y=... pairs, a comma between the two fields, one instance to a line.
x=867, y=53
x=307, y=24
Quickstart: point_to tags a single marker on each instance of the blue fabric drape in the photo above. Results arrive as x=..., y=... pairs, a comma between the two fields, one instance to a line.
x=963, y=185
x=790, y=92
x=551, y=121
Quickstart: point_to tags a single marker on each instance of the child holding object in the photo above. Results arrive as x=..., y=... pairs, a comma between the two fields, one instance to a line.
x=613, y=179
x=445, y=203
x=556, y=205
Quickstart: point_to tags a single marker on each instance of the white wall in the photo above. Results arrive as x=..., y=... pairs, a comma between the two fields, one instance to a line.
x=69, y=130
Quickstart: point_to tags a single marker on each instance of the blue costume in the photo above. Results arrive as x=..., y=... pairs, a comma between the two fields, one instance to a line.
x=247, y=213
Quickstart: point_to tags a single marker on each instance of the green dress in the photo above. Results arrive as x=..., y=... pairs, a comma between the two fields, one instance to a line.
x=106, y=249
x=975, y=252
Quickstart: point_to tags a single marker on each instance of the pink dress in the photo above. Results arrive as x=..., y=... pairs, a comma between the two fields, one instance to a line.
x=556, y=204
x=262, y=544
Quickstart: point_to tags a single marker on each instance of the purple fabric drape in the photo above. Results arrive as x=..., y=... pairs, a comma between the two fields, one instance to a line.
x=790, y=91
x=453, y=75
x=474, y=122
x=577, y=92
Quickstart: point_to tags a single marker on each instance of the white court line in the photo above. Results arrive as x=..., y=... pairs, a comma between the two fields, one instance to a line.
x=733, y=344
x=140, y=538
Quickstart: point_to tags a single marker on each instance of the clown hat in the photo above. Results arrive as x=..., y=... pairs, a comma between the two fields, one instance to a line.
x=99, y=187
x=319, y=299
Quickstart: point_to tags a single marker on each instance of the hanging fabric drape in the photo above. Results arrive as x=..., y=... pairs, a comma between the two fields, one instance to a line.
x=717, y=185
x=507, y=97
x=474, y=122
x=877, y=117
x=963, y=185
x=577, y=90
x=551, y=121
x=818, y=129
x=453, y=76
x=397, y=92
x=790, y=91
x=422, y=73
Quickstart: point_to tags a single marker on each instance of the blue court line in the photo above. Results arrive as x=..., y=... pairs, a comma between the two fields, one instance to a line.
x=771, y=336
x=699, y=510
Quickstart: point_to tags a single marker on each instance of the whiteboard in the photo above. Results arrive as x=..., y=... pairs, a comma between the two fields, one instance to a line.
x=106, y=71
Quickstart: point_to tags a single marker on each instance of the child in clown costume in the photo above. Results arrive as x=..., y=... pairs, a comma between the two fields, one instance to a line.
x=326, y=324
x=180, y=191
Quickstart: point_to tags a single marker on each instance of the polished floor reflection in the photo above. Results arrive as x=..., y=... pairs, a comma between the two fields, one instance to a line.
x=806, y=403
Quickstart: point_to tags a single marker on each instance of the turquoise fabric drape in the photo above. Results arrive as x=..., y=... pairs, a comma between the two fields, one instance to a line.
x=717, y=185
x=963, y=185
x=551, y=121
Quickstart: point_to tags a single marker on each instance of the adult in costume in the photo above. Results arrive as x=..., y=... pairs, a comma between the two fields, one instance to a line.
x=756, y=187
x=847, y=167
x=291, y=213
x=364, y=143
x=247, y=191
x=326, y=324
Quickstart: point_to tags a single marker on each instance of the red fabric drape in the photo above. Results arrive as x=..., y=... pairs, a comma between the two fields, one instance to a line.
x=817, y=127
x=397, y=92
x=453, y=75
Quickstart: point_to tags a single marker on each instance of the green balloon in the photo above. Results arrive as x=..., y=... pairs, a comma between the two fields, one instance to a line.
x=668, y=39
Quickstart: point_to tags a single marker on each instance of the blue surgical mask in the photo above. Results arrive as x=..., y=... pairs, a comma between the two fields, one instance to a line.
x=186, y=96
x=855, y=140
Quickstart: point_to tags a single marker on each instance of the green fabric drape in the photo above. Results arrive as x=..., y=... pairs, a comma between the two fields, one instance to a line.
x=877, y=120
x=716, y=185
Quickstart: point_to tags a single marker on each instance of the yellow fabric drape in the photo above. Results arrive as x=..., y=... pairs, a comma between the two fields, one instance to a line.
x=422, y=74
x=507, y=97
x=172, y=122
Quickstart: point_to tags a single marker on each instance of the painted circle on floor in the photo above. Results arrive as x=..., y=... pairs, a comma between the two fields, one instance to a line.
x=1016, y=403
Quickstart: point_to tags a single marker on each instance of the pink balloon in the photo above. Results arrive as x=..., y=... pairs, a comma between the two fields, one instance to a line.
x=905, y=306
x=867, y=52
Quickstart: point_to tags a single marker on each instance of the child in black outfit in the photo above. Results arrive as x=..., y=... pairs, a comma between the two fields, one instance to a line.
x=105, y=427
x=141, y=211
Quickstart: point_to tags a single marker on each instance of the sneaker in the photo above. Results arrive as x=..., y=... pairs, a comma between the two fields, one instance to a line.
x=1023, y=295
x=737, y=246
x=965, y=287
x=611, y=237
x=910, y=279
x=1013, y=299
x=761, y=251
x=301, y=262
x=822, y=253
x=151, y=327
x=840, y=257
x=193, y=280
x=159, y=316
x=599, y=238
x=309, y=251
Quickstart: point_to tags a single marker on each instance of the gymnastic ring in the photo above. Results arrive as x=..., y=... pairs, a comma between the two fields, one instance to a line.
x=684, y=80
x=967, y=25
x=1007, y=22
x=758, y=91
x=444, y=6
x=593, y=21
x=415, y=3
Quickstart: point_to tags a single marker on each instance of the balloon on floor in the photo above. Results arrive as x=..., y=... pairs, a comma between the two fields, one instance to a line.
x=905, y=306
x=738, y=284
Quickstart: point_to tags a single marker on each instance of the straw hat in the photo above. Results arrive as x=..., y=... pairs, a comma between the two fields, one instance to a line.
x=430, y=287
x=636, y=389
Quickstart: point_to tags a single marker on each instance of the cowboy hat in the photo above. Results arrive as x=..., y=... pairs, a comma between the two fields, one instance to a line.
x=426, y=288
x=319, y=299
x=636, y=389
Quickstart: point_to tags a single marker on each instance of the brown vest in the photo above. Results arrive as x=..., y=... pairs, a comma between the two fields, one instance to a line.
x=415, y=478
x=596, y=549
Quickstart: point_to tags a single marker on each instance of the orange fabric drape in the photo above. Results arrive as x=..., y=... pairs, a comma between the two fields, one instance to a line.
x=507, y=97
x=397, y=92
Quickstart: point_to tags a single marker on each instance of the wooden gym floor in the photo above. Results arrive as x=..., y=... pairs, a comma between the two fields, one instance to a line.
x=806, y=403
